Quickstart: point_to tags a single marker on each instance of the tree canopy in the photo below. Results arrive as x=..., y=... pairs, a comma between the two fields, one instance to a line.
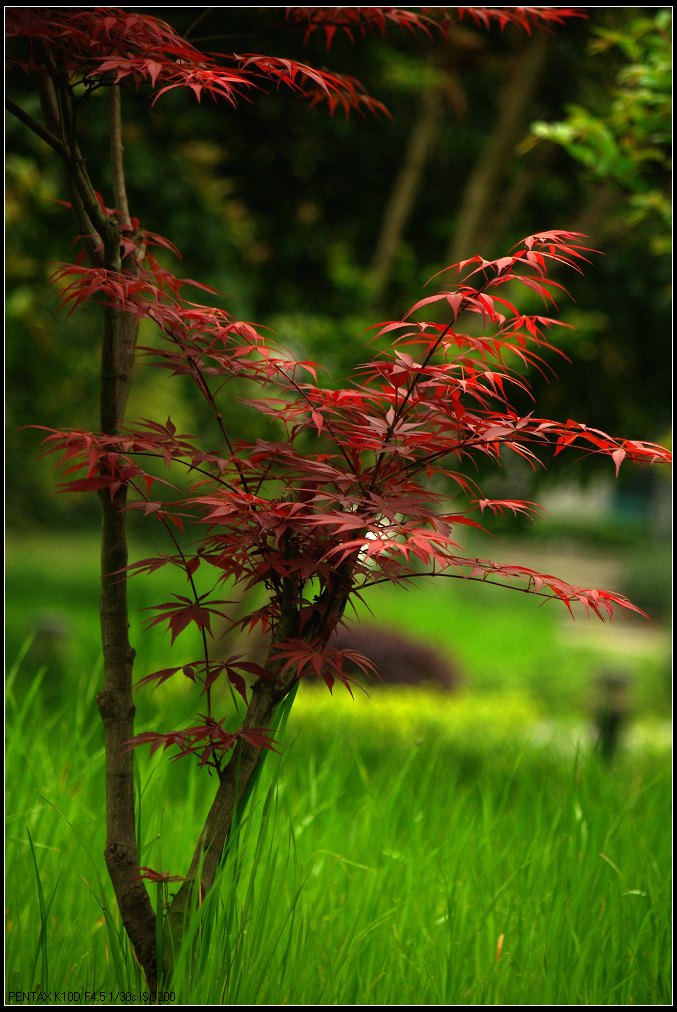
x=314, y=224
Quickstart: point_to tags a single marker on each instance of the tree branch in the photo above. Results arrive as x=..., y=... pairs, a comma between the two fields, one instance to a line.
x=116, y=159
x=37, y=128
x=236, y=781
x=466, y=579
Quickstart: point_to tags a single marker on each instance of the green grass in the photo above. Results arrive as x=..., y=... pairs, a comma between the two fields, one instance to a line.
x=398, y=848
x=408, y=848
x=498, y=640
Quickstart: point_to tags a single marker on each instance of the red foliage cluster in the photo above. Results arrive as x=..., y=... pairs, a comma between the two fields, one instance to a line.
x=526, y=18
x=211, y=741
x=342, y=500
x=362, y=20
x=108, y=45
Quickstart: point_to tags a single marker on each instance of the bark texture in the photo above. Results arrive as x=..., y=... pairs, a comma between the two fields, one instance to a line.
x=115, y=701
x=237, y=778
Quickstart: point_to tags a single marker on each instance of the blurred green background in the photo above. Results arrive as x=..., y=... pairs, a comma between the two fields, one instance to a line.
x=318, y=227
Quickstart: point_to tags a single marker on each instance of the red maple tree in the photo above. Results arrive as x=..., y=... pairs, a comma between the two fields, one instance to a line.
x=344, y=498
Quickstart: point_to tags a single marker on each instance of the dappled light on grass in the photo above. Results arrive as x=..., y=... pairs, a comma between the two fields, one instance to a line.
x=406, y=716
x=480, y=725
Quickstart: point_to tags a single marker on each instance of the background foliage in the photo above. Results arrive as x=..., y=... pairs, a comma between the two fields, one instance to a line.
x=289, y=212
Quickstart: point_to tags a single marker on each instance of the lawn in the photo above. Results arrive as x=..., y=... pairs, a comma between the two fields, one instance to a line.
x=421, y=850
x=497, y=639
x=417, y=847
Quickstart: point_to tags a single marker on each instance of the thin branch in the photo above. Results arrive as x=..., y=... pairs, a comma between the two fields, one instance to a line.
x=196, y=597
x=301, y=393
x=204, y=389
x=38, y=129
x=405, y=400
x=466, y=579
x=196, y=21
x=187, y=464
x=50, y=138
x=116, y=159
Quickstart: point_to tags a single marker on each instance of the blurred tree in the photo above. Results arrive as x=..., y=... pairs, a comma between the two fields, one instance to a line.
x=617, y=139
x=475, y=223
x=623, y=134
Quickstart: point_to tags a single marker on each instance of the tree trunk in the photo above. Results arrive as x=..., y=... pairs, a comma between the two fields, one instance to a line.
x=237, y=778
x=472, y=222
x=406, y=190
x=233, y=789
x=115, y=701
x=235, y=783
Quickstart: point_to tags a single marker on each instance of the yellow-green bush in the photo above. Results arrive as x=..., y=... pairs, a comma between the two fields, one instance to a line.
x=404, y=714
